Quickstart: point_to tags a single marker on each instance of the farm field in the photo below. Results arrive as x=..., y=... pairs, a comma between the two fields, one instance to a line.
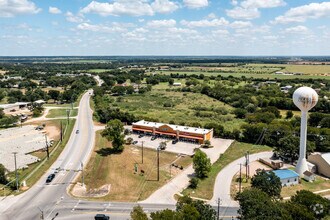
x=187, y=108
x=117, y=169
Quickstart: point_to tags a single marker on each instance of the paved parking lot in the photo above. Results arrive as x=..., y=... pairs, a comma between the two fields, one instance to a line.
x=180, y=147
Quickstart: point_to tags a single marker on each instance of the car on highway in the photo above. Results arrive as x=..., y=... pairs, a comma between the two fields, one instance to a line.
x=101, y=217
x=50, y=178
x=77, y=131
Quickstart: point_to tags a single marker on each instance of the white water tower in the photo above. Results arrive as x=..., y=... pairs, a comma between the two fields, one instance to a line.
x=305, y=98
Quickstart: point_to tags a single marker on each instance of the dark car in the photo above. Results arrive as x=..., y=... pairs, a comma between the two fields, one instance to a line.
x=175, y=141
x=101, y=217
x=153, y=138
x=77, y=131
x=141, y=135
x=134, y=142
x=50, y=178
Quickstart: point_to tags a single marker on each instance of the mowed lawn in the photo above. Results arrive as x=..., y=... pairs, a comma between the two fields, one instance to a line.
x=117, y=169
x=60, y=113
x=185, y=110
x=237, y=150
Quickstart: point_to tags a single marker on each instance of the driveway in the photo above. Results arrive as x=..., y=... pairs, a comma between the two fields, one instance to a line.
x=165, y=194
x=225, y=176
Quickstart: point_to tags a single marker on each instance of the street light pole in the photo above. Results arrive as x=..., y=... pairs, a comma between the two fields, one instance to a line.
x=61, y=131
x=82, y=174
x=16, y=174
x=142, y=150
x=218, y=214
x=158, y=164
x=68, y=114
x=47, y=149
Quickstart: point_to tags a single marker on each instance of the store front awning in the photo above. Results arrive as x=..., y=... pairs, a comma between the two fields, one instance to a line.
x=140, y=129
x=165, y=133
x=191, y=137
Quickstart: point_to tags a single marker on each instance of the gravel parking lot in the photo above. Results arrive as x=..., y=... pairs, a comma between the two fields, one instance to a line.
x=23, y=141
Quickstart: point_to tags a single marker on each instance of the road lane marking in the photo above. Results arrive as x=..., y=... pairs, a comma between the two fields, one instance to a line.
x=74, y=207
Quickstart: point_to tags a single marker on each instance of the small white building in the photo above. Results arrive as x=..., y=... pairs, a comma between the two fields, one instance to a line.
x=309, y=176
x=287, y=177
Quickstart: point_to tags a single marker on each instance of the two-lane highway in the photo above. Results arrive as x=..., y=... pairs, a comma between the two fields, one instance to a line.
x=44, y=197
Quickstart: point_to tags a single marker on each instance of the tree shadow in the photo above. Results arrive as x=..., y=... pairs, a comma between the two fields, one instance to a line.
x=103, y=152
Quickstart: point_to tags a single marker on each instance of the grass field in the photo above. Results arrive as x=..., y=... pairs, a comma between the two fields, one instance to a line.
x=98, y=70
x=248, y=75
x=234, y=152
x=185, y=110
x=59, y=113
x=106, y=167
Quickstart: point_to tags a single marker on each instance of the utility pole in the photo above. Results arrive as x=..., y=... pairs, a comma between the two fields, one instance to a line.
x=82, y=174
x=246, y=167
x=158, y=164
x=248, y=163
x=16, y=174
x=47, y=149
x=240, y=178
x=142, y=150
x=61, y=131
x=219, y=203
x=68, y=114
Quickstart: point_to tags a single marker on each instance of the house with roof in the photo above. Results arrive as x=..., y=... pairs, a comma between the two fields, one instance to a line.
x=199, y=135
x=322, y=162
x=287, y=177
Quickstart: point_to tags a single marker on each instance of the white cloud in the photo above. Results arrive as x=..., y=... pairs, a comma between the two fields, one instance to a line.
x=161, y=23
x=164, y=6
x=100, y=28
x=11, y=8
x=240, y=24
x=243, y=13
x=297, y=29
x=73, y=18
x=211, y=16
x=195, y=3
x=234, y=2
x=119, y=7
x=262, y=3
x=220, y=32
x=54, y=10
x=270, y=37
x=206, y=23
x=302, y=13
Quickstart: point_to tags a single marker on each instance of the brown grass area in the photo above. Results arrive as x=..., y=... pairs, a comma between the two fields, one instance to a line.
x=106, y=167
x=52, y=128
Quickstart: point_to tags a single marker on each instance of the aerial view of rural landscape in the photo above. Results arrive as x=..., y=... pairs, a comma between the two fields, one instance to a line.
x=164, y=110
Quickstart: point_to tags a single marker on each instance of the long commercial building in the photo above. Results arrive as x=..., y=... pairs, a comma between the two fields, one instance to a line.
x=199, y=135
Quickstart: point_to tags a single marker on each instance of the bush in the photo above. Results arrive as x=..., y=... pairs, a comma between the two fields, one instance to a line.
x=193, y=182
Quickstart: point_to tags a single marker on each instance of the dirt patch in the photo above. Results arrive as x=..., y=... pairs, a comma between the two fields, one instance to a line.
x=2, y=72
x=52, y=129
x=80, y=191
x=254, y=166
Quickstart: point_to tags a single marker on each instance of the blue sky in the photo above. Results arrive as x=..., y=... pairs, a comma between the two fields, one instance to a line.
x=164, y=27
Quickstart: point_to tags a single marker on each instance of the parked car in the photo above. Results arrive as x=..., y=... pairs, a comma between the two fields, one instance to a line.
x=101, y=217
x=134, y=142
x=175, y=141
x=141, y=135
x=50, y=178
x=153, y=138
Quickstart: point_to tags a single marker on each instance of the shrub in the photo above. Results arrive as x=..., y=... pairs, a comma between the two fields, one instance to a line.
x=193, y=182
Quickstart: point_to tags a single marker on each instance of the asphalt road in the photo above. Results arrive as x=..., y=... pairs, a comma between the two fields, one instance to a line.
x=52, y=199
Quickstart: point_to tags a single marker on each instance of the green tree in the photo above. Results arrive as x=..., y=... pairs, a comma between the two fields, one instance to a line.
x=256, y=204
x=114, y=132
x=54, y=94
x=189, y=212
x=268, y=182
x=165, y=215
x=289, y=114
x=315, y=203
x=3, y=179
x=240, y=113
x=201, y=164
x=297, y=211
x=138, y=214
